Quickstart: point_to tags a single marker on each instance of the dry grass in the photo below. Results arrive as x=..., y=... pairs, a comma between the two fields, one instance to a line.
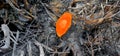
x=95, y=29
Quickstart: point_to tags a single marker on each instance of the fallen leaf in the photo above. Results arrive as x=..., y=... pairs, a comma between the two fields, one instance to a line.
x=63, y=24
x=94, y=21
x=107, y=8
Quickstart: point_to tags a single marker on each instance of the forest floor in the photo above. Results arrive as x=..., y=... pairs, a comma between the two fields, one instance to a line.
x=28, y=28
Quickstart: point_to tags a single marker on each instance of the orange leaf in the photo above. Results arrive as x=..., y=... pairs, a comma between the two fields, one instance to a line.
x=63, y=24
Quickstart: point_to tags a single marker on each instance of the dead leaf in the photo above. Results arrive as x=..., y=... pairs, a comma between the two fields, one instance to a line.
x=94, y=21
x=108, y=15
x=107, y=8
